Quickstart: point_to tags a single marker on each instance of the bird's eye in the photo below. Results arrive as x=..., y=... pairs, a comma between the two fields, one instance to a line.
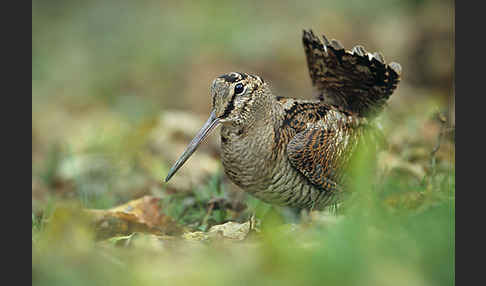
x=239, y=88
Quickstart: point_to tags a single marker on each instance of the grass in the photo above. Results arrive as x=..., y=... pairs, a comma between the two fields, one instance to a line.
x=378, y=247
x=387, y=234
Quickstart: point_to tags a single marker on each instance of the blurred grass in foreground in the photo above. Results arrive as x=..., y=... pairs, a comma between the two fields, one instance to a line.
x=372, y=242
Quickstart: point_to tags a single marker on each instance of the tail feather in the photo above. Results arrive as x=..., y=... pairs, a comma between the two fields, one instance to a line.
x=356, y=80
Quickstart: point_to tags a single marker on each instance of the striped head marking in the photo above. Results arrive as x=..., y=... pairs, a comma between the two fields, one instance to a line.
x=234, y=94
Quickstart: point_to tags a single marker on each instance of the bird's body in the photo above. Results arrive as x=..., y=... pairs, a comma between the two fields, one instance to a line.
x=296, y=152
x=256, y=159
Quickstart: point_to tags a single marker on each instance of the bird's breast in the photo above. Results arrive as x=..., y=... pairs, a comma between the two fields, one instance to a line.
x=247, y=155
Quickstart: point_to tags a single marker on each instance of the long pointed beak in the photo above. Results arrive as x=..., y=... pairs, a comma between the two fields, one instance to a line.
x=210, y=124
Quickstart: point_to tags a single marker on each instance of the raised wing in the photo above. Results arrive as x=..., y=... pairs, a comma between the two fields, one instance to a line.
x=356, y=80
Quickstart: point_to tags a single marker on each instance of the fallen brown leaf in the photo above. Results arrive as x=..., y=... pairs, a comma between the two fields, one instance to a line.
x=227, y=231
x=140, y=215
x=388, y=161
x=231, y=230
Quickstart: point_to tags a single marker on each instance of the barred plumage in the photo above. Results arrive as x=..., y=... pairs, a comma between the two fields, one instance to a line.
x=296, y=152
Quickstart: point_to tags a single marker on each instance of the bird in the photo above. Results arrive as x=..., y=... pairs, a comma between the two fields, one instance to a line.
x=296, y=152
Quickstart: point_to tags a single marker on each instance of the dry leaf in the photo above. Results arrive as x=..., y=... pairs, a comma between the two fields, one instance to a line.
x=231, y=230
x=388, y=161
x=141, y=215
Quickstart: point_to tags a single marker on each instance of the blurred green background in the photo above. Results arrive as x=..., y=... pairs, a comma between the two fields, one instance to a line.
x=119, y=88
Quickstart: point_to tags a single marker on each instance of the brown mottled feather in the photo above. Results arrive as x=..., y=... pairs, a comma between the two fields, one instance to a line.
x=311, y=152
x=296, y=152
x=351, y=79
x=322, y=151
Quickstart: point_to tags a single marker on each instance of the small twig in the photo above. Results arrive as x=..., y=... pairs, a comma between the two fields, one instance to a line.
x=252, y=221
x=442, y=119
x=443, y=122
x=208, y=213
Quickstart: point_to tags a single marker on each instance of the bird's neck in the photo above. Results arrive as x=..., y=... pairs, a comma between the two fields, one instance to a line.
x=261, y=115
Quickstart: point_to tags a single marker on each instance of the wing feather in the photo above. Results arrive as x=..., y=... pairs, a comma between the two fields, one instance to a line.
x=356, y=80
x=320, y=154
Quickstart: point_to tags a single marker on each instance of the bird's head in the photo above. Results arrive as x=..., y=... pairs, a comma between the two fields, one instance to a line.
x=236, y=95
x=237, y=99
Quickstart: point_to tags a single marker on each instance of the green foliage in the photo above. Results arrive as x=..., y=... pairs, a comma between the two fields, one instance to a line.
x=192, y=209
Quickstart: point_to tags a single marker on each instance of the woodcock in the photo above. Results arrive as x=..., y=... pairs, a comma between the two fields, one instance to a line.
x=295, y=152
